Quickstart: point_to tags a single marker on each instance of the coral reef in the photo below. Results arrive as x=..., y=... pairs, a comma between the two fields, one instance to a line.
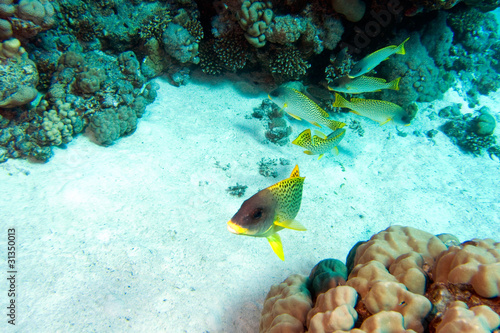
x=352, y=10
x=107, y=92
x=69, y=63
x=401, y=280
x=277, y=128
x=254, y=18
x=25, y=18
x=18, y=80
x=421, y=79
x=471, y=134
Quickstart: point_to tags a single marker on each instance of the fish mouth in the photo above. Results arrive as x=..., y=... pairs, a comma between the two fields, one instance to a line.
x=230, y=228
x=235, y=229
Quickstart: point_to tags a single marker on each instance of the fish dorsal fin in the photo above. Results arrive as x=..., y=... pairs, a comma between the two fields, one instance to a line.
x=319, y=134
x=295, y=172
x=375, y=79
x=275, y=242
x=394, y=84
x=291, y=224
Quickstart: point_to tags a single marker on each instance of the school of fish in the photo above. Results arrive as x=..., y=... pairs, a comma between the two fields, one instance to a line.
x=275, y=207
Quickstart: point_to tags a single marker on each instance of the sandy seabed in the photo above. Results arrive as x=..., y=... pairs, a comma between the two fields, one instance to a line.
x=133, y=237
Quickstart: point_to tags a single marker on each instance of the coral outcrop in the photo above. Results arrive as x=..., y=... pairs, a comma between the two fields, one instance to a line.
x=401, y=280
x=280, y=40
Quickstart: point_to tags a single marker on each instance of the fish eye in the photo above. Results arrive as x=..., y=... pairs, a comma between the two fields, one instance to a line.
x=256, y=213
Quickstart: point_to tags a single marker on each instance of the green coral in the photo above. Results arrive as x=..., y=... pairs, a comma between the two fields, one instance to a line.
x=328, y=273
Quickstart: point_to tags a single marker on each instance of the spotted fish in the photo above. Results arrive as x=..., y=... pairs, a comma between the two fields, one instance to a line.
x=374, y=59
x=299, y=106
x=270, y=210
x=362, y=84
x=319, y=144
x=380, y=111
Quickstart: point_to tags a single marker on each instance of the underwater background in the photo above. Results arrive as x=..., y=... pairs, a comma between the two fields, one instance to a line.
x=132, y=131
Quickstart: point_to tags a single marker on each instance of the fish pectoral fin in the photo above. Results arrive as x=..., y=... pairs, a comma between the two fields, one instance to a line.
x=291, y=224
x=308, y=152
x=275, y=242
x=320, y=156
x=316, y=124
x=335, y=151
x=294, y=116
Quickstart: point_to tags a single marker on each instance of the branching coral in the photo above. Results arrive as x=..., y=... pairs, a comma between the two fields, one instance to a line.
x=287, y=64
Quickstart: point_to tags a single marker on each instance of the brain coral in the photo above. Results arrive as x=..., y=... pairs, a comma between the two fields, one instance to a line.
x=400, y=280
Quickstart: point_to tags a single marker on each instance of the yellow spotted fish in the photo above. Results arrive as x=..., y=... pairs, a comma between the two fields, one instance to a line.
x=362, y=84
x=299, y=106
x=319, y=144
x=269, y=211
x=380, y=111
x=374, y=59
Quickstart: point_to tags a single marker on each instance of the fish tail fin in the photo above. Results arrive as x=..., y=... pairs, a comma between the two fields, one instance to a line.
x=401, y=47
x=295, y=172
x=334, y=125
x=275, y=242
x=335, y=134
x=340, y=102
x=303, y=137
x=394, y=84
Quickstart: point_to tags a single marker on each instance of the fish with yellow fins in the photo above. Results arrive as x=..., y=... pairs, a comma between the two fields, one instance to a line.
x=299, y=106
x=380, y=111
x=319, y=143
x=271, y=210
x=374, y=59
x=362, y=84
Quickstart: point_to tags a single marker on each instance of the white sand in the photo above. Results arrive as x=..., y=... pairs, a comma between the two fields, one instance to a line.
x=133, y=236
